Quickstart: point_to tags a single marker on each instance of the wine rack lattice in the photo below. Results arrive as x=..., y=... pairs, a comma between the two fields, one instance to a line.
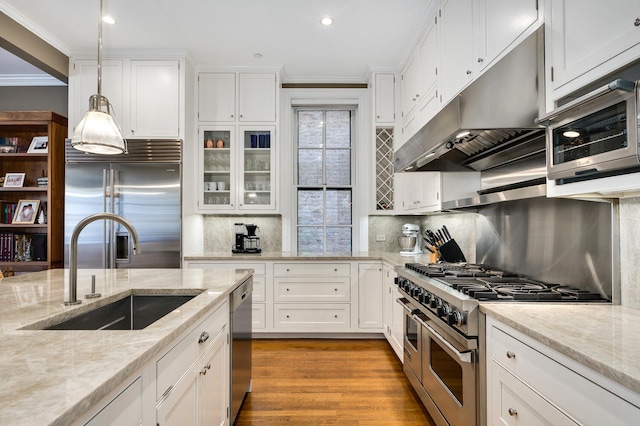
x=384, y=168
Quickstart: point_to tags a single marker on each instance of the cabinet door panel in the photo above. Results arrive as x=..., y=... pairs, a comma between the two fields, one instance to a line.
x=257, y=97
x=213, y=397
x=457, y=49
x=582, y=38
x=180, y=407
x=385, y=98
x=370, y=296
x=155, y=99
x=216, y=97
x=125, y=409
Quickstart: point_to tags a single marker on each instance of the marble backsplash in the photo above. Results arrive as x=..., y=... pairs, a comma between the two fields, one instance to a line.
x=630, y=252
x=219, y=232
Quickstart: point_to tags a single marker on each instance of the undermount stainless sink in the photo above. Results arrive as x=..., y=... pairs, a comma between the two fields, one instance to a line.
x=134, y=312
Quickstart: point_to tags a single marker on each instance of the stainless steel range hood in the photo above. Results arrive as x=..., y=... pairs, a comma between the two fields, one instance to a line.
x=490, y=124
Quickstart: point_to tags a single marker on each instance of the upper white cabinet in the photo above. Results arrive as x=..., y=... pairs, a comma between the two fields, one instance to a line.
x=586, y=43
x=155, y=100
x=424, y=192
x=146, y=95
x=257, y=97
x=385, y=98
x=217, y=97
x=501, y=22
x=456, y=31
x=237, y=97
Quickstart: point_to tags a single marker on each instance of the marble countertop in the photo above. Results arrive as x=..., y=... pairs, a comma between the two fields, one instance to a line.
x=604, y=338
x=393, y=258
x=52, y=376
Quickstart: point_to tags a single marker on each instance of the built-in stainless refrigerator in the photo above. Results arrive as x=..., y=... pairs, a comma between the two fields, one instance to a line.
x=143, y=186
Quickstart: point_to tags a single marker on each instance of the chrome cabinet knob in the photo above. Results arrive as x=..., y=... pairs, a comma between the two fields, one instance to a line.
x=511, y=355
x=513, y=412
x=637, y=22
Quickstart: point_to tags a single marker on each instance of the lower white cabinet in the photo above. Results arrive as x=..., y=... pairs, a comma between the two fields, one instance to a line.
x=311, y=317
x=370, y=306
x=125, y=409
x=393, y=315
x=199, y=394
x=529, y=383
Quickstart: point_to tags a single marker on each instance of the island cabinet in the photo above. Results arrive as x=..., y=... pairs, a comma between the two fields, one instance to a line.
x=147, y=95
x=188, y=383
x=32, y=165
x=529, y=383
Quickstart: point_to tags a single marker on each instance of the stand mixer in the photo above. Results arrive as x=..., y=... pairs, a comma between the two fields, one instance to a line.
x=410, y=241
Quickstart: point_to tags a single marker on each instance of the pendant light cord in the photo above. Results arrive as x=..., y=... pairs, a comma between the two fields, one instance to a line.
x=100, y=48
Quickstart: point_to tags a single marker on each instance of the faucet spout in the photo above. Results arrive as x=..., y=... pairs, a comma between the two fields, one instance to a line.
x=73, y=248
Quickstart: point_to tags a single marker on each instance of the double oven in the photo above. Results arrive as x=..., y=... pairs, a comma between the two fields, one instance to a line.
x=443, y=331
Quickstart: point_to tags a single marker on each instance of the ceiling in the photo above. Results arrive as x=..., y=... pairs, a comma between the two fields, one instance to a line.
x=367, y=34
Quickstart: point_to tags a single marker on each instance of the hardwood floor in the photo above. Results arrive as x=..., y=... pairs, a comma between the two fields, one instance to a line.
x=329, y=382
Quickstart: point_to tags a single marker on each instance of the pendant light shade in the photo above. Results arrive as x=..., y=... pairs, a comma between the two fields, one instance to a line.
x=98, y=132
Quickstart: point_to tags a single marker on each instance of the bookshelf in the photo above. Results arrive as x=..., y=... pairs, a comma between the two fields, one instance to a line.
x=25, y=246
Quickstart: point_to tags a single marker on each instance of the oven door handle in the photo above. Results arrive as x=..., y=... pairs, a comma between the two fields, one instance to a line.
x=465, y=357
x=405, y=305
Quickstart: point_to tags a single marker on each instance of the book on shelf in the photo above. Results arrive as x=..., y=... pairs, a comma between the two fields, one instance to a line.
x=7, y=210
x=6, y=246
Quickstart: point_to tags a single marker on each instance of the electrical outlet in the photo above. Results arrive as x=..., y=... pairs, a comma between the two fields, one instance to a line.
x=381, y=238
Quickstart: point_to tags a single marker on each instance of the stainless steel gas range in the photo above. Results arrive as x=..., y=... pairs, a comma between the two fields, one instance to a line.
x=443, y=330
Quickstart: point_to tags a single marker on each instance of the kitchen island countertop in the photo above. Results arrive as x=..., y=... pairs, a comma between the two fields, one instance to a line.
x=53, y=376
x=604, y=338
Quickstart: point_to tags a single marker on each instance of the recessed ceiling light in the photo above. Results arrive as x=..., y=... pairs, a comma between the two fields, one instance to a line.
x=257, y=55
x=326, y=20
x=108, y=20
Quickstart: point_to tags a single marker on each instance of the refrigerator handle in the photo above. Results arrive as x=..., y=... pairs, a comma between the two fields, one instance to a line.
x=106, y=178
x=109, y=223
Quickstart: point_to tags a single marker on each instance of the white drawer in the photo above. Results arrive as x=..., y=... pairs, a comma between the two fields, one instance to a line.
x=511, y=402
x=593, y=404
x=312, y=316
x=259, y=288
x=258, y=268
x=311, y=289
x=311, y=269
x=258, y=316
x=180, y=357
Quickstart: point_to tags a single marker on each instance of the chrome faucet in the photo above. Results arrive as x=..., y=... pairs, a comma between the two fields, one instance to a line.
x=73, y=248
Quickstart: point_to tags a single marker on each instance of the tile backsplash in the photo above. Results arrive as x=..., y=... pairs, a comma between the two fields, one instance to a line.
x=630, y=252
x=219, y=232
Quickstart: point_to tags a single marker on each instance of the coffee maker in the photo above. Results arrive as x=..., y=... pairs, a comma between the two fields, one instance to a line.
x=247, y=240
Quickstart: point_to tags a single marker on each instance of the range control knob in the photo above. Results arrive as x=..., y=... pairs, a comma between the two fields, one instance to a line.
x=424, y=297
x=456, y=318
x=435, y=303
x=444, y=310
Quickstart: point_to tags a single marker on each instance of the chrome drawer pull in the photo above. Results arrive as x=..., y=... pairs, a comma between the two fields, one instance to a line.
x=511, y=355
x=513, y=412
x=203, y=337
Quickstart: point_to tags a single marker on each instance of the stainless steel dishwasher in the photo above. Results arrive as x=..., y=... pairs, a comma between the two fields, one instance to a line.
x=240, y=345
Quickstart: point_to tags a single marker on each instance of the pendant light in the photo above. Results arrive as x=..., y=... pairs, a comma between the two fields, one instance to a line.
x=98, y=132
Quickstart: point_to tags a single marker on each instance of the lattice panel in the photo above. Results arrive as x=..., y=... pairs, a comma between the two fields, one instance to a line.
x=384, y=168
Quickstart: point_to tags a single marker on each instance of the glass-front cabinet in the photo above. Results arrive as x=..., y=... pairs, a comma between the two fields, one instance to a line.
x=237, y=169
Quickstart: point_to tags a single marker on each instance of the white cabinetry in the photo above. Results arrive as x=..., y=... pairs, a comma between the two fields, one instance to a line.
x=256, y=97
x=498, y=24
x=237, y=173
x=456, y=32
x=145, y=94
x=392, y=312
x=199, y=393
x=260, y=279
x=312, y=296
x=385, y=98
x=426, y=191
x=586, y=42
x=370, y=293
x=531, y=384
x=125, y=409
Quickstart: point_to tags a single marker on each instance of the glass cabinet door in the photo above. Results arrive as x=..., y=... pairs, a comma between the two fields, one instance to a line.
x=257, y=183
x=217, y=182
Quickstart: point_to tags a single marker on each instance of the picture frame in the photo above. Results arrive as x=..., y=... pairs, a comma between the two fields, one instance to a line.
x=39, y=145
x=14, y=180
x=26, y=212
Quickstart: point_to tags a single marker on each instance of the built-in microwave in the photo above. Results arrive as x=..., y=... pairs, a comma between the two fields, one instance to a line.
x=594, y=135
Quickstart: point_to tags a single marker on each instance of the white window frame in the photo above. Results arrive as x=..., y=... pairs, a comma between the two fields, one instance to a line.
x=363, y=183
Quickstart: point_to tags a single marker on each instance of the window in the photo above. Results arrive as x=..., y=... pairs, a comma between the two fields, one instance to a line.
x=324, y=180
